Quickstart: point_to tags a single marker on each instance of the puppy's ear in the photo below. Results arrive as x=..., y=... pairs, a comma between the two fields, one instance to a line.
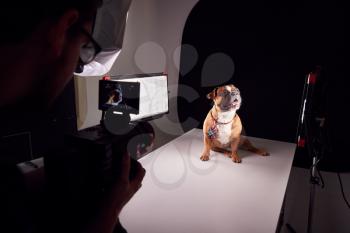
x=212, y=94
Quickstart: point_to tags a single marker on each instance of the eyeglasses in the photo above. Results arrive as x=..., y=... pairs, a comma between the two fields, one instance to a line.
x=89, y=51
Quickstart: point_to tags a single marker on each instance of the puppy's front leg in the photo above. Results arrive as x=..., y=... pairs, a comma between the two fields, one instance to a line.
x=206, y=151
x=234, y=149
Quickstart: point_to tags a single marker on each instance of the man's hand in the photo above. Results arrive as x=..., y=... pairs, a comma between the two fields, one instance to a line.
x=129, y=175
x=127, y=183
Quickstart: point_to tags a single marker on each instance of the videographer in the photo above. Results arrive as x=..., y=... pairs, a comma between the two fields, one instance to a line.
x=40, y=45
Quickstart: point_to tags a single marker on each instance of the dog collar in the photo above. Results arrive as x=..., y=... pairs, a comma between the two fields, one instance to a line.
x=218, y=122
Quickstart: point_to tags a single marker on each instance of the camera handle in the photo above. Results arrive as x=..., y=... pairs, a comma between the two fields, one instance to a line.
x=115, y=122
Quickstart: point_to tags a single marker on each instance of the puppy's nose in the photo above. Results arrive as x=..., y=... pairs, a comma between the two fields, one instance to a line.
x=236, y=100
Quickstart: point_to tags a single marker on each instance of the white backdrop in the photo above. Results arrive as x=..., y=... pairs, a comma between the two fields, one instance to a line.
x=151, y=43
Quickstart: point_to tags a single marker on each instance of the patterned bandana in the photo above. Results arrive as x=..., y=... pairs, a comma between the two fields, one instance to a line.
x=213, y=131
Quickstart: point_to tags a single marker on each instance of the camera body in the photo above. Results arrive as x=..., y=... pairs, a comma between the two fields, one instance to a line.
x=98, y=152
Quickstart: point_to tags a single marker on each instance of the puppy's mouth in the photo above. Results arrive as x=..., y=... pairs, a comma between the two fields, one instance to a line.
x=230, y=106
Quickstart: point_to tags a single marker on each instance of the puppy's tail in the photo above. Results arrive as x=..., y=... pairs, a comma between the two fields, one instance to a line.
x=247, y=145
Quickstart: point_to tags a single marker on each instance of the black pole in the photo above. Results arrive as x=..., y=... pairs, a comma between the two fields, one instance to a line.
x=307, y=132
x=313, y=182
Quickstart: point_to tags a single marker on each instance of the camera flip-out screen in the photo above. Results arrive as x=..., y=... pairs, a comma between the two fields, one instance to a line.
x=142, y=96
x=122, y=96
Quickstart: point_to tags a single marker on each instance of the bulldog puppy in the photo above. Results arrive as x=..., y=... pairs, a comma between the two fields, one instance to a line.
x=222, y=127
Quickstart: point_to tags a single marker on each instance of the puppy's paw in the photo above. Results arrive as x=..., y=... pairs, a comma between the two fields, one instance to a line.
x=236, y=158
x=205, y=157
x=262, y=152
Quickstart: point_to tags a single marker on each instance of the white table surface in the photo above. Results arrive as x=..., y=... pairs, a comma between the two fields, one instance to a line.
x=182, y=194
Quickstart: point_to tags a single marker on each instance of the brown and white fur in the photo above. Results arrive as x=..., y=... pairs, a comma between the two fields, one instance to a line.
x=222, y=127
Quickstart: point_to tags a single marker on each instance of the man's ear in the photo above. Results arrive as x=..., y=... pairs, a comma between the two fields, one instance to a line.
x=59, y=30
x=212, y=94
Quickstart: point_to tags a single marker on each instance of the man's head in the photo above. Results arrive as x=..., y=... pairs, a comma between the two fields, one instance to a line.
x=226, y=98
x=40, y=46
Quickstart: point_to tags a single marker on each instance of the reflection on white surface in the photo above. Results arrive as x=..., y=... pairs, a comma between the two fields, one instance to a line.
x=215, y=196
x=168, y=168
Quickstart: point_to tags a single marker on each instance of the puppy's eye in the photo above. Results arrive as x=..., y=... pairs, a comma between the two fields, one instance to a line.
x=235, y=92
x=222, y=94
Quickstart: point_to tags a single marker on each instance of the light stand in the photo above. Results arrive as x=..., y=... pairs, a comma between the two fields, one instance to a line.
x=310, y=134
x=315, y=180
x=315, y=145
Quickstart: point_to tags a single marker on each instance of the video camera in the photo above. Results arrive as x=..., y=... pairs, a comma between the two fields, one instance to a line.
x=87, y=164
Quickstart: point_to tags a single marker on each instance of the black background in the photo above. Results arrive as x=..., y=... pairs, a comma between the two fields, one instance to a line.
x=274, y=45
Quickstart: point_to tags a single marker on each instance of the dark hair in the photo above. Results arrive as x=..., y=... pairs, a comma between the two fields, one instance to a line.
x=19, y=18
